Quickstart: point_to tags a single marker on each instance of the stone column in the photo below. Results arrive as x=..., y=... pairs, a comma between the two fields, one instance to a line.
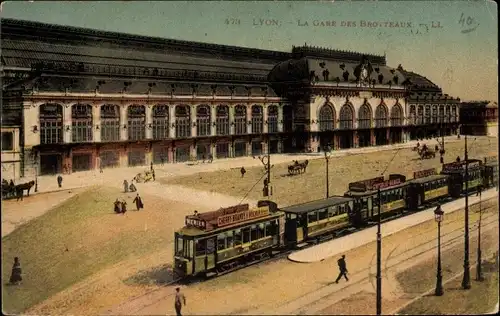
x=213, y=118
x=123, y=122
x=96, y=120
x=67, y=123
x=149, y=121
x=249, y=119
x=193, y=119
x=171, y=119
x=280, y=145
x=265, y=118
x=372, y=137
x=388, y=135
x=280, y=118
x=231, y=121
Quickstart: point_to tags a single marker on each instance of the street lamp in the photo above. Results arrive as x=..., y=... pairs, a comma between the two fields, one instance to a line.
x=479, y=274
x=438, y=216
x=327, y=158
x=36, y=176
x=466, y=278
x=379, y=256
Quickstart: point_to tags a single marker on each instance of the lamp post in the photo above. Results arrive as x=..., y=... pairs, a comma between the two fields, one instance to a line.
x=327, y=158
x=36, y=176
x=466, y=278
x=438, y=216
x=267, y=191
x=379, y=258
x=479, y=274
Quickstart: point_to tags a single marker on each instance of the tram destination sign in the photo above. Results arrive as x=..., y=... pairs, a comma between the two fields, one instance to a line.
x=226, y=220
x=196, y=222
x=424, y=173
x=364, y=185
x=386, y=184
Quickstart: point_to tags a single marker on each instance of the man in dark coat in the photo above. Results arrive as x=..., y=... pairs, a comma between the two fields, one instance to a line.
x=124, y=207
x=342, y=268
x=458, y=158
x=138, y=202
x=243, y=171
x=132, y=187
x=59, y=180
x=117, y=207
x=125, y=186
x=15, y=277
x=153, y=174
x=179, y=299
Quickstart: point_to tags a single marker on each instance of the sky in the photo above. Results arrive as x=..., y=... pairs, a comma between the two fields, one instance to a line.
x=452, y=43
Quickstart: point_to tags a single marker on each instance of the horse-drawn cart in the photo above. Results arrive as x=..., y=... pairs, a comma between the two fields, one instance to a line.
x=144, y=177
x=297, y=167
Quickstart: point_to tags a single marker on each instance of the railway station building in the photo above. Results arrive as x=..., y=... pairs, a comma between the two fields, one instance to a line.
x=81, y=99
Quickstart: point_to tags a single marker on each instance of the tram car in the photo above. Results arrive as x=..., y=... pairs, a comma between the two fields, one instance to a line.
x=365, y=195
x=425, y=187
x=490, y=172
x=456, y=173
x=221, y=241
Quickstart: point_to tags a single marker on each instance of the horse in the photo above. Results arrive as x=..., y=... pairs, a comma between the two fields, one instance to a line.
x=19, y=189
x=424, y=154
x=297, y=167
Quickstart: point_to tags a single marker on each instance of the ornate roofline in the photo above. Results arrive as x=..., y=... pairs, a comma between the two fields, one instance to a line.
x=314, y=51
x=22, y=28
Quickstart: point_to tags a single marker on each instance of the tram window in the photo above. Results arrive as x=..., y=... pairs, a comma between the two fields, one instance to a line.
x=291, y=216
x=221, y=241
x=312, y=217
x=188, y=249
x=332, y=211
x=179, y=246
x=229, y=239
x=322, y=214
x=200, y=247
x=246, y=235
x=237, y=237
x=210, y=245
x=261, y=230
x=253, y=233
x=269, y=229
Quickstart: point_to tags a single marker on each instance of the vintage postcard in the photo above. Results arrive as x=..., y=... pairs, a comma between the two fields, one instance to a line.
x=249, y=158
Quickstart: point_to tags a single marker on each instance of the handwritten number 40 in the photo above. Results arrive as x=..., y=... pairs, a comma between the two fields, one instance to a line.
x=469, y=23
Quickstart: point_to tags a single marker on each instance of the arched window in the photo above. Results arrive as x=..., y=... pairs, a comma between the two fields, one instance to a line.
x=272, y=119
x=51, y=124
x=413, y=115
x=381, y=116
x=240, y=119
x=222, y=120
x=161, y=128
x=454, y=114
x=326, y=118
x=420, y=115
x=397, y=115
x=182, y=121
x=287, y=118
x=203, y=121
x=434, y=117
x=447, y=114
x=346, y=117
x=110, y=123
x=441, y=113
x=136, y=122
x=427, y=114
x=364, y=117
x=81, y=121
x=257, y=119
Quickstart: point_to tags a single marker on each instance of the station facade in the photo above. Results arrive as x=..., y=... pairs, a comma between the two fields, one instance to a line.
x=83, y=99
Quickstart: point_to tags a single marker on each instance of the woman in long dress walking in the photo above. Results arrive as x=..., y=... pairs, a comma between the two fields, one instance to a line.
x=15, y=277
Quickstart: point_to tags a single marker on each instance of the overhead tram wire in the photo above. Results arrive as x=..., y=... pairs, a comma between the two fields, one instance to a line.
x=264, y=175
x=387, y=167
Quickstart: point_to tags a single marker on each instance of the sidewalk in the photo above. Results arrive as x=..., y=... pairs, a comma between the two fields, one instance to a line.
x=116, y=176
x=354, y=240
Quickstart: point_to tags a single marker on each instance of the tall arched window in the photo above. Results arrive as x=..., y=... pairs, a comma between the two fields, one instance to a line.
x=272, y=119
x=136, y=121
x=257, y=119
x=203, y=120
x=428, y=114
x=161, y=128
x=287, y=118
x=413, y=115
x=364, y=117
x=182, y=121
x=326, y=118
x=222, y=120
x=240, y=119
x=51, y=124
x=454, y=114
x=381, y=116
x=420, y=115
x=346, y=117
x=110, y=123
x=434, y=117
x=396, y=115
x=81, y=121
x=447, y=114
x=441, y=113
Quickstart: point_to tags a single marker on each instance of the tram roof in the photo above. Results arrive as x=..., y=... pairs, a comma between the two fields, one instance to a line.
x=427, y=179
x=315, y=205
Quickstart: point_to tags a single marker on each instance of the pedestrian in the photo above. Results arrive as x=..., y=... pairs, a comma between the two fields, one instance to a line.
x=100, y=169
x=179, y=299
x=458, y=158
x=125, y=186
x=116, y=208
x=153, y=174
x=441, y=160
x=15, y=277
x=124, y=207
x=132, y=187
x=203, y=157
x=162, y=159
x=210, y=158
x=151, y=166
x=138, y=202
x=243, y=171
x=343, y=269
x=11, y=183
x=59, y=180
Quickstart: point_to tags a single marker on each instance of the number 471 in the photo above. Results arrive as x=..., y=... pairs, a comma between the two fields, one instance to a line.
x=232, y=21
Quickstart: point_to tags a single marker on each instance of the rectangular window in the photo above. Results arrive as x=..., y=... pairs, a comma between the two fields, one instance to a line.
x=312, y=217
x=260, y=231
x=237, y=237
x=246, y=235
x=179, y=246
x=7, y=141
x=269, y=229
x=229, y=239
x=200, y=247
x=110, y=129
x=322, y=214
x=253, y=233
x=332, y=211
x=221, y=241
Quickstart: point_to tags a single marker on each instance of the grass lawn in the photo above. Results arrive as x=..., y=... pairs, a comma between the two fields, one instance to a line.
x=94, y=236
x=480, y=299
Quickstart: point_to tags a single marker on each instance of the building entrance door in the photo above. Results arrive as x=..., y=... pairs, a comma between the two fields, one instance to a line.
x=345, y=140
x=82, y=162
x=50, y=164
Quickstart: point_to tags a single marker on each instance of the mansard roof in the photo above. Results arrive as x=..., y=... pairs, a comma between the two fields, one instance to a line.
x=419, y=82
